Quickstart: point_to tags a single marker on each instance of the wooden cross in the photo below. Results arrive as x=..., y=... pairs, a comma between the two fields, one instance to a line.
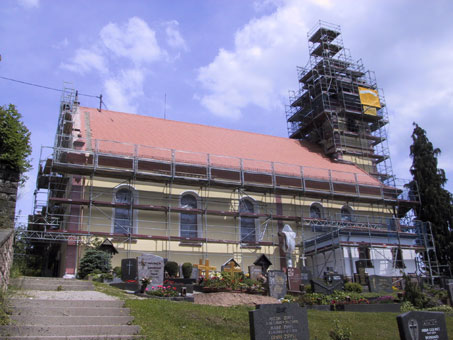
x=231, y=268
x=205, y=267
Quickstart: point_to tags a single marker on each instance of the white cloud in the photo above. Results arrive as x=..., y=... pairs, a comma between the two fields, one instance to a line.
x=123, y=90
x=28, y=4
x=260, y=69
x=134, y=40
x=86, y=60
x=174, y=38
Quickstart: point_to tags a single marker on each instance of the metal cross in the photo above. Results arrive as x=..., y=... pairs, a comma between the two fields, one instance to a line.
x=129, y=265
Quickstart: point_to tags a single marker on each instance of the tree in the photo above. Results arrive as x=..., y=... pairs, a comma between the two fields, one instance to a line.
x=15, y=147
x=436, y=202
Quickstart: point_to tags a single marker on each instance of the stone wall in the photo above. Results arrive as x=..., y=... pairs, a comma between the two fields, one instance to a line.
x=9, y=182
x=6, y=256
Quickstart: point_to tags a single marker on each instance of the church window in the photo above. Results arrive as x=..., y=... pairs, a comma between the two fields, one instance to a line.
x=346, y=214
x=316, y=210
x=188, y=221
x=365, y=256
x=397, y=256
x=123, y=215
x=248, y=232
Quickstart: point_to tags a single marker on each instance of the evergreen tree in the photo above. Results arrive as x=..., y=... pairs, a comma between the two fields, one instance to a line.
x=436, y=202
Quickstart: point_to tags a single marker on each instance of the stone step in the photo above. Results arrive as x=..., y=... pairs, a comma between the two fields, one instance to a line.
x=31, y=320
x=98, y=330
x=65, y=303
x=70, y=311
x=45, y=280
x=76, y=337
x=54, y=286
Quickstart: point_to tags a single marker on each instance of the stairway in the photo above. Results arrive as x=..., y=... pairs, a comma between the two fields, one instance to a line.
x=65, y=309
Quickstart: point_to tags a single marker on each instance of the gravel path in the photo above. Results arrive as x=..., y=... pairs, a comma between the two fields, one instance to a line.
x=66, y=295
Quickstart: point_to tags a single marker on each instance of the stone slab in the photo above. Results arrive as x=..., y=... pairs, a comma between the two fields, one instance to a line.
x=151, y=266
x=255, y=272
x=380, y=284
x=273, y=321
x=450, y=292
x=422, y=326
x=277, y=283
x=294, y=279
x=320, y=286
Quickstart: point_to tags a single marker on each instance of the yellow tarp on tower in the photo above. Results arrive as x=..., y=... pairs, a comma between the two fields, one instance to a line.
x=370, y=100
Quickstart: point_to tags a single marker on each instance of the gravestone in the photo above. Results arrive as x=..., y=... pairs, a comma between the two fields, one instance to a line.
x=195, y=273
x=422, y=326
x=450, y=293
x=305, y=275
x=276, y=283
x=380, y=284
x=151, y=266
x=129, y=269
x=264, y=262
x=255, y=272
x=294, y=279
x=321, y=286
x=274, y=322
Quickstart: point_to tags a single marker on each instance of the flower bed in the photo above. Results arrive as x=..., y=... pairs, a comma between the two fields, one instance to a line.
x=227, y=282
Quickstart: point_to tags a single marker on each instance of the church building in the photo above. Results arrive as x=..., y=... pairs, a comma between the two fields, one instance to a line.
x=190, y=192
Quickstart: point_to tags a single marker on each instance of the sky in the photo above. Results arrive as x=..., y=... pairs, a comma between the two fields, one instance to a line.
x=222, y=63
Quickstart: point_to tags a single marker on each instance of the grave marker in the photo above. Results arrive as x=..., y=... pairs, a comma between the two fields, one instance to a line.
x=255, y=272
x=450, y=292
x=422, y=326
x=274, y=322
x=151, y=266
x=129, y=270
x=277, y=283
x=294, y=279
x=380, y=284
x=206, y=268
x=305, y=274
x=264, y=262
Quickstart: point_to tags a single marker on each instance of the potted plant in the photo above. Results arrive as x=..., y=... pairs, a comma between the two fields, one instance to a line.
x=145, y=281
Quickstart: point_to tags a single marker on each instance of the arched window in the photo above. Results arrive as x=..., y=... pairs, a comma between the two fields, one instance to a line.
x=316, y=211
x=248, y=232
x=346, y=214
x=188, y=223
x=123, y=215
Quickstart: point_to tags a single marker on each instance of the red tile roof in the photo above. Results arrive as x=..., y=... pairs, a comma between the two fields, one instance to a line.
x=156, y=137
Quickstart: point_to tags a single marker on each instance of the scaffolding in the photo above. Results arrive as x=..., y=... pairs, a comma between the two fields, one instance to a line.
x=331, y=107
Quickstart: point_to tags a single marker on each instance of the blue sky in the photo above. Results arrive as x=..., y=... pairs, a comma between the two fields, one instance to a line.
x=223, y=63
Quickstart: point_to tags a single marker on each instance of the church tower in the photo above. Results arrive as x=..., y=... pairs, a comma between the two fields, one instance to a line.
x=339, y=106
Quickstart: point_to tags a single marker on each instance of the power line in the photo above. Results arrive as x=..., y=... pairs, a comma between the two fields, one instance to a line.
x=47, y=87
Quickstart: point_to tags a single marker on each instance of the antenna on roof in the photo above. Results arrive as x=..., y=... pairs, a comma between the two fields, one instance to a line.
x=165, y=106
x=100, y=103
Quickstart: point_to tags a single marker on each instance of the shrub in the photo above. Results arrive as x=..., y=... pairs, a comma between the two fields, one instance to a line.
x=172, y=268
x=94, y=261
x=187, y=270
x=340, y=332
x=163, y=291
x=353, y=287
x=117, y=271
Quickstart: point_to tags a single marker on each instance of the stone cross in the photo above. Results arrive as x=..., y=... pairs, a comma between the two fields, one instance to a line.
x=205, y=267
x=413, y=329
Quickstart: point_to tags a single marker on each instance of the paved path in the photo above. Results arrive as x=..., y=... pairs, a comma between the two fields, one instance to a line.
x=57, y=309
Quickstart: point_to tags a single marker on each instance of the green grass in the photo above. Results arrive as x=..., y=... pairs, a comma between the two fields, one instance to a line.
x=162, y=320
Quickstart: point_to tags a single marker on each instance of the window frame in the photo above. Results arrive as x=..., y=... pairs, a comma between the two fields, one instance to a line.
x=247, y=219
x=197, y=216
x=349, y=216
x=132, y=214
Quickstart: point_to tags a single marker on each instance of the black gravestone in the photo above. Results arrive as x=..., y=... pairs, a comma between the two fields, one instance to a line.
x=276, y=281
x=305, y=275
x=274, y=322
x=294, y=279
x=422, y=326
x=321, y=286
x=129, y=269
x=264, y=262
x=380, y=284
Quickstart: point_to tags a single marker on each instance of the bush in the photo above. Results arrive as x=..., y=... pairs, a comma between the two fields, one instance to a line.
x=353, y=287
x=94, y=261
x=117, y=271
x=172, y=268
x=187, y=270
x=340, y=332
